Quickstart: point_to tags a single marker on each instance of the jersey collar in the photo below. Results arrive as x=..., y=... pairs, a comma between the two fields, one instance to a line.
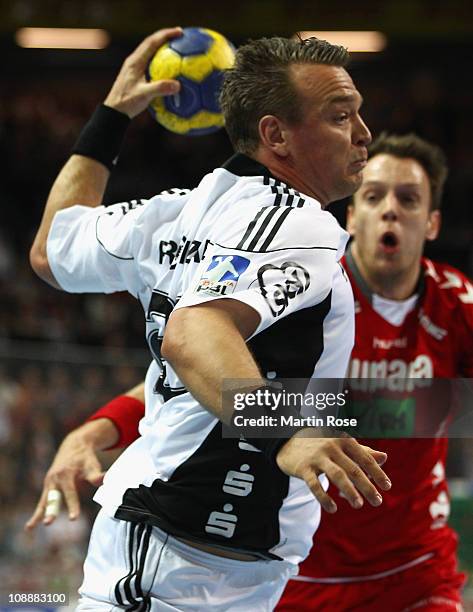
x=355, y=272
x=242, y=165
x=363, y=285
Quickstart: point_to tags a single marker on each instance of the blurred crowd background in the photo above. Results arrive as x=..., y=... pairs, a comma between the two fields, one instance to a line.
x=61, y=356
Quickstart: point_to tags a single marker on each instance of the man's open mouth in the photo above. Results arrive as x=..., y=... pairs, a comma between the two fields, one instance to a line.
x=389, y=241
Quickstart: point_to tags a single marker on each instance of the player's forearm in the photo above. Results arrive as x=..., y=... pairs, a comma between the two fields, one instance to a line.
x=205, y=347
x=114, y=421
x=81, y=181
x=124, y=413
x=99, y=434
x=137, y=392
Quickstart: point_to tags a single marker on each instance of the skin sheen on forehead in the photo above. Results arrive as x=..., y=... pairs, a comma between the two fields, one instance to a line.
x=394, y=171
x=323, y=83
x=350, y=98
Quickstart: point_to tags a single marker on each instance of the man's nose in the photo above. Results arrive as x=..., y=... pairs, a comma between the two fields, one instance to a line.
x=390, y=207
x=362, y=135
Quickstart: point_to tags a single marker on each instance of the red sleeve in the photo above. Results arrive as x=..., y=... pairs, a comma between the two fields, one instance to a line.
x=125, y=413
x=464, y=318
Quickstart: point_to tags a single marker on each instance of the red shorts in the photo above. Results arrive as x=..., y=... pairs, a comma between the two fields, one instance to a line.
x=433, y=585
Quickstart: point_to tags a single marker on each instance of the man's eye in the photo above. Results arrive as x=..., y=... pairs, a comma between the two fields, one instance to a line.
x=409, y=200
x=341, y=118
x=371, y=198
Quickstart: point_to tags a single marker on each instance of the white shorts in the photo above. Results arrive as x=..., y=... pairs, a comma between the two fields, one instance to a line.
x=138, y=567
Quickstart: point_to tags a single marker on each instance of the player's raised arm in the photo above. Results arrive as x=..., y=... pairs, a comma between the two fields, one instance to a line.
x=84, y=177
x=114, y=425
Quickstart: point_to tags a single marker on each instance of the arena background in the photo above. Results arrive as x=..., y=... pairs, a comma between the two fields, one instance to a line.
x=61, y=355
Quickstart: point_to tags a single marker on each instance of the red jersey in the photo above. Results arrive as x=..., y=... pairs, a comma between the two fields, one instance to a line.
x=435, y=339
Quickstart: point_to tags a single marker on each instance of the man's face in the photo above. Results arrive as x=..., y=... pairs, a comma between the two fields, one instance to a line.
x=391, y=218
x=328, y=147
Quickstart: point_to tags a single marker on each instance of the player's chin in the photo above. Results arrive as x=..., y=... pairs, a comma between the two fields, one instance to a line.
x=351, y=184
x=357, y=178
x=389, y=263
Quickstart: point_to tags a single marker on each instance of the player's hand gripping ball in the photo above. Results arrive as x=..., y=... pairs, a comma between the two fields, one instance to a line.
x=197, y=60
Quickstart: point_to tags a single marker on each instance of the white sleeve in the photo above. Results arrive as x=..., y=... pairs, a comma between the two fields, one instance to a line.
x=295, y=272
x=96, y=249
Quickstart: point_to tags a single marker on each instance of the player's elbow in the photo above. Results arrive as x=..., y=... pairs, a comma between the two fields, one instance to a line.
x=175, y=344
x=40, y=264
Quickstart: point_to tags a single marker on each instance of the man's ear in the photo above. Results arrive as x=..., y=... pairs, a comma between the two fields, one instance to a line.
x=273, y=135
x=351, y=225
x=433, y=225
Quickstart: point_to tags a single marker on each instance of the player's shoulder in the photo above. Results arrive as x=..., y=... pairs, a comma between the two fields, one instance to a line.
x=311, y=226
x=161, y=208
x=174, y=198
x=270, y=227
x=448, y=287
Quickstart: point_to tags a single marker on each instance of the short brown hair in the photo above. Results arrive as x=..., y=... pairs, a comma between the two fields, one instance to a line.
x=260, y=84
x=429, y=156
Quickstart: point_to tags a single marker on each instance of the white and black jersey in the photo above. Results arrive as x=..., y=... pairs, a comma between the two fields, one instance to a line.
x=241, y=234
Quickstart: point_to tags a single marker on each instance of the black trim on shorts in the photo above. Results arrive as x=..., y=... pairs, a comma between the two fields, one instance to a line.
x=118, y=595
x=128, y=590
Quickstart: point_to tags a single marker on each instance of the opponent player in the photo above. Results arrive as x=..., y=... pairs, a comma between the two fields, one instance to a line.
x=183, y=500
x=414, y=317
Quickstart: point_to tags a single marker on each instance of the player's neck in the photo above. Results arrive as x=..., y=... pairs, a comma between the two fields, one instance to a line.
x=288, y=174
x=399, y=286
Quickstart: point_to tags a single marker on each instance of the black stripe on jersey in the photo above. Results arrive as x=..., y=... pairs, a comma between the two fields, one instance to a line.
x=284, y=194
x=278, y=199
x=176, y=191
x=250, y=228
x=275, y=228
x=132, y=204
x=278, y=188
x=271, y=211
x=260, y=224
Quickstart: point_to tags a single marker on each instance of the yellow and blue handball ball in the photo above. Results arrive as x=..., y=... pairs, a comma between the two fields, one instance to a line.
x=197, y=60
